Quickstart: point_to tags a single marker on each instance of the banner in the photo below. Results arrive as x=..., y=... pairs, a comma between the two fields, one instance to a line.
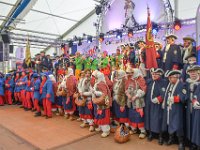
x=28, y=53
x=150, y=50
x=198, y=33
x=19, y=54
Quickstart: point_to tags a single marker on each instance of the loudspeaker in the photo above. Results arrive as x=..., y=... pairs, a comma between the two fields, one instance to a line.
x=5, y=38
x=1, y=51
x=11, y=49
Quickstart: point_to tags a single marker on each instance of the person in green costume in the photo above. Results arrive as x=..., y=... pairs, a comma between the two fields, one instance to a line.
x=79, y=65
x=94, y=64
x=87, y=62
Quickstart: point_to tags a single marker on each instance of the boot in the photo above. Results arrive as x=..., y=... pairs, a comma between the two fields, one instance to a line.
x=181, y=144
x=160, y=139
x=171, y=139
x=83, y=125
x=91, y=129
x=150, y=136
x=142, y=135
x=66, y=116
x=192, y=147
x=105, y=134
x=71, y=117
x=37, y=114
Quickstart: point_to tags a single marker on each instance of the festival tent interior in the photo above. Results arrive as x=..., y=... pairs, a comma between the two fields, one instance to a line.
x=79, y=25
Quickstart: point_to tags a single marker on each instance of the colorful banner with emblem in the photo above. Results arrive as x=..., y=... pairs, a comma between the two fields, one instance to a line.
x=150, y=47
x=198, y=33
x=28, y=53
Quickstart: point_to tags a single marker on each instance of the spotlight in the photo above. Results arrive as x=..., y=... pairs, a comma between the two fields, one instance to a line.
x=101, y=37
x=155, y=28
x=177, y=25
x=119, y=34
x=89, y=39
x=130, y=33
x=98, y=10
x=79, y=42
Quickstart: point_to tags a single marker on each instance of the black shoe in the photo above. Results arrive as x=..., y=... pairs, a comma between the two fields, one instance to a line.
x=33, y=110
x=150, y=137
x=198, y=148
x=25, y=109
x=37, y=114
x=47, y=117
x=19, y=103
x=171, y=140
x=192, y=147
x=181, y=146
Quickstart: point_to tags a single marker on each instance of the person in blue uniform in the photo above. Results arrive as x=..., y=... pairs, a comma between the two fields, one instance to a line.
x=2, y=88
x=28, y=88
x=36, y=95
x=47, y=95
x=17, y=89
x=191, y=86
x=188, y=48
x=9, y=86
x=153, y=104
x=195, y=139
x=191, y=61
x=173, y=105
x=159, y=54
x=172, y=58
x=22, y=86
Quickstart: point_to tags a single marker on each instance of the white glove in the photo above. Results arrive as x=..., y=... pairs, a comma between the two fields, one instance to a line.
x=171, y=100
x=155, y=100
x=196, y=105
x=98, y=93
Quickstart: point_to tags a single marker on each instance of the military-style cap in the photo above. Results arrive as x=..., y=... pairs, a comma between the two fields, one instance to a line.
x=157, y=70
x=171, y=35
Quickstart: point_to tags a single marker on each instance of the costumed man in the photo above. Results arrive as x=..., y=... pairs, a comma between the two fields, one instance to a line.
x=173, y=106
x=135, y=89
x=101, y=97
x=196, y=118
x=79, y=65
x=9, y=87
x=22, y=86
x=172, y=58
x=87, y=62
x=132, y=56
x=119, y=107
x=104, y=64
x=191, y=85
x=69, y=105
x=37, y=94
x=17, y=90
x=142, y=56
x=159, y=54
x=86, y=112
x=94, y=64
x=124, y=49
x=117, y=61
x=47, y=95
x=188, y=48
x=153, y=104
x=191, y=61
x=29, y=89
x=2, y=88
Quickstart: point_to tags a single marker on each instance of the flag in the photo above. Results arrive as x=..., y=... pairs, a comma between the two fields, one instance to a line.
x=150, y=47
x=198, y=34
x=28, y=53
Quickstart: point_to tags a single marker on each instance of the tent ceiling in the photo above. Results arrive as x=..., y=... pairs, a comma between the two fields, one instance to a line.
x=55, y=16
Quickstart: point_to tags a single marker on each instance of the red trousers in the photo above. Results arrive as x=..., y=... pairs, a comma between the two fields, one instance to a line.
x=47, y=107
x=36, y=105
x=23, y=97
x=19, y=96
x=27, y=101
x=8, y=97
x=1, y=100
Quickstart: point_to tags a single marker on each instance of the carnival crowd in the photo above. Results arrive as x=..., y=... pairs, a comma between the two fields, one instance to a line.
x=104, y=91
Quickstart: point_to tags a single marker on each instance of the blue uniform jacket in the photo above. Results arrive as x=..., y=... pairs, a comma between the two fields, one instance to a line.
x=47, y=90
x=37, y=89
x=11, y=85
x=2, y=86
